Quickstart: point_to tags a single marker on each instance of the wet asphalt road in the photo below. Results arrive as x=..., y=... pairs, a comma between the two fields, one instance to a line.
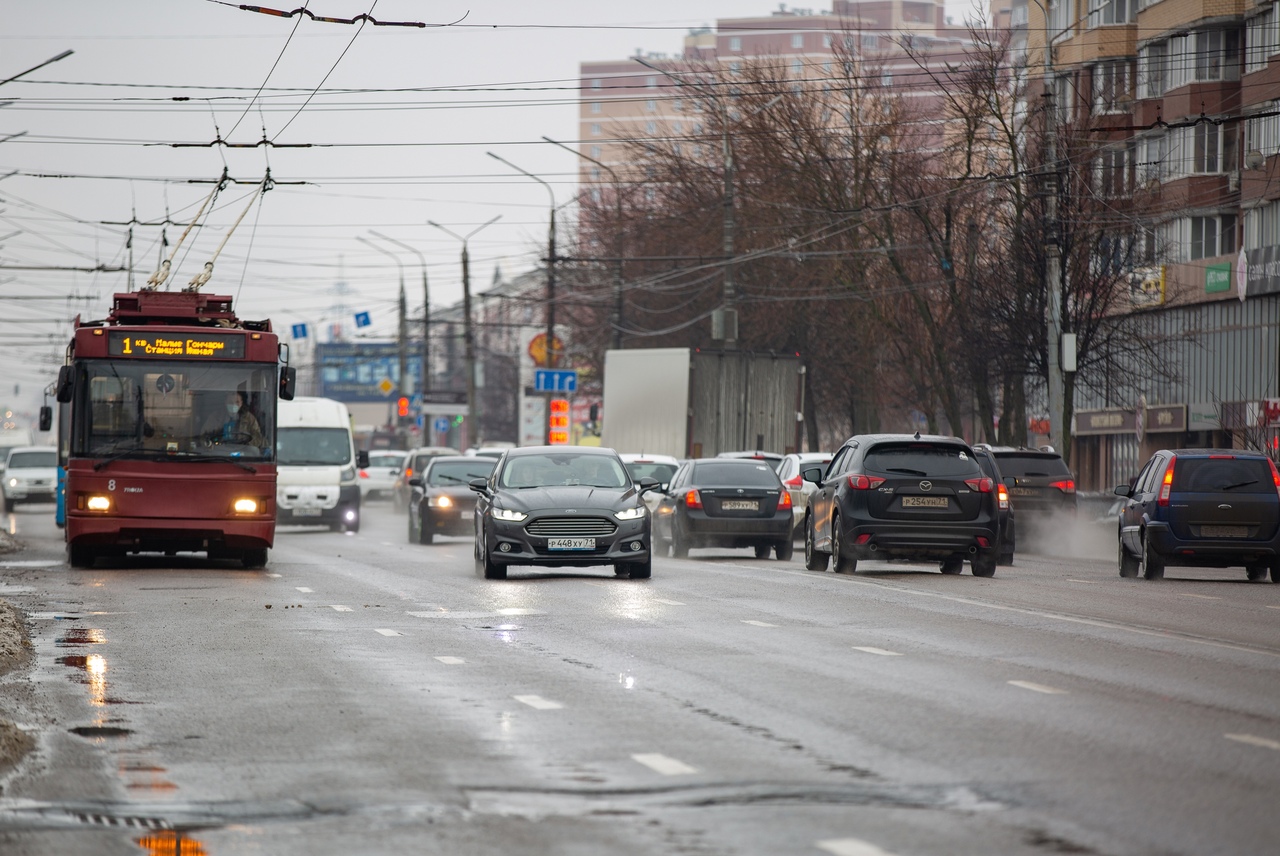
x=366, y=695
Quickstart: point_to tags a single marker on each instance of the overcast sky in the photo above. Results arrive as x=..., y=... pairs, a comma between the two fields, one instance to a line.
x=104, y=119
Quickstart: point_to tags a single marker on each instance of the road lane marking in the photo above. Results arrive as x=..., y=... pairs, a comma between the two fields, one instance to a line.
x=274, y=576
x=339, y=608
x=1090, y=582
x=759, y=623
x=1273, y=607
x=468, y=614
x=593, y=583
x=881, y=651
x=1253, y=740
x=662, y=764
x=1201, y=596
x=451, y=661
x=850, y=847
x=385, y=632
x=678, y=603
x=1038, y=688
x=305, y=590
x=538, y=702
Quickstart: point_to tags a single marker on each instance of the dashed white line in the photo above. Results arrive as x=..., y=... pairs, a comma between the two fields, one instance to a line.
x=1254, y=740
x=851, y=847
x=758, y=623
x=451, y=661
x=593, y=583
x=538, y=702
x=662, y=764
x=881, y=651
x=1038, y=688
x=336, y=607
x=304, y=590
x=385, y=632
x=1273, y=607
x=274, y=576
x=1201, y=596
x=1090, y=582
x=678, y=603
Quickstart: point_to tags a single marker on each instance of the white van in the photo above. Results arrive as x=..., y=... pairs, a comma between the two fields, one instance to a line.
x=316, y=464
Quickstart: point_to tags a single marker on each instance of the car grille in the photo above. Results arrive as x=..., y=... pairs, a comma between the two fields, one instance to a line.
x=571, y=527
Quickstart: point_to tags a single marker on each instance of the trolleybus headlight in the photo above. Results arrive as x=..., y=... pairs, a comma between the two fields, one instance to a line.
x=245, y=506
x=98, y=503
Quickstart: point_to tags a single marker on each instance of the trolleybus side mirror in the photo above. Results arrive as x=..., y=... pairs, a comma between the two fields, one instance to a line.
x=288, y=383
x=362, y=459
x=46, y=418
x=66, y=379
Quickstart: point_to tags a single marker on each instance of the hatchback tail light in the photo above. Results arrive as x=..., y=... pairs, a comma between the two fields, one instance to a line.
x=983, y=485
x=1166, y=485
x=794, y=482
x=693, y=499
x=1275, y=475
x=1002, y=493
x=861, y=482
x=363, y=474
x=1065, y=485
x=784, y=501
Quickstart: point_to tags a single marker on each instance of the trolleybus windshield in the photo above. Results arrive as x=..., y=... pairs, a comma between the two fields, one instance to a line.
x=162, y=410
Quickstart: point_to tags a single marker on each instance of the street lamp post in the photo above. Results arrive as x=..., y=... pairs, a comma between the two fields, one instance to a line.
x=401, y=338
x=468, y=333
x=426, y=311
x=617, y=240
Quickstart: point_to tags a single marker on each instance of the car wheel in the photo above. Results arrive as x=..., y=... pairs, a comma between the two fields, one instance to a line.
x=353, y=526
x=762, y=551
x=952, y=566
x=813, y=560
x=983, y=566
x=80, y=556
x=640, y=570
x=784, y=549
x=1256, y=572
x=255, y=558
x=492, y=571
x=413, y=535
x=840, y=564
x=679, y=543
x=8, y=504
x=1275, y=571
x=1152, y=563
x=1128, y=564
x=425, y=535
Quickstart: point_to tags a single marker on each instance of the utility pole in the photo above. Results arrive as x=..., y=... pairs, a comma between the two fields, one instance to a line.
x=1053, y=253
x=402, y=350
x=468, y=331
x=426, y=314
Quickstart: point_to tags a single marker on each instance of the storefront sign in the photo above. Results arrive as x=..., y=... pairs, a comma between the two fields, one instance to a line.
x=1264, y=271
x=1217, y=278
x=1161, y=419
x=1203, y=416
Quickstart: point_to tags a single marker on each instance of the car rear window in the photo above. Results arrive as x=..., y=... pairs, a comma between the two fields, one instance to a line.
x=1226, y=475
x=923, y=459
x=445, y=473
x=642, y=469
x=1024, y=465
x=376, y=460
x=31, y=460
x=738, y=473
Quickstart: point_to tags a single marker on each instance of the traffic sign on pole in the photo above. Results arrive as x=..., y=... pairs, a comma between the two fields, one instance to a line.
x=555, y=380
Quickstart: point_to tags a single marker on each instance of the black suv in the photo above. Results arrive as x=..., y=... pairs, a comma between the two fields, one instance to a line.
x=899, y=496
x=1202, y=508
x=1039, y=481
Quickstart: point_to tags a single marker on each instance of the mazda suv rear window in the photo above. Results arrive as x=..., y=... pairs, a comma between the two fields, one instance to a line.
x=921, y=459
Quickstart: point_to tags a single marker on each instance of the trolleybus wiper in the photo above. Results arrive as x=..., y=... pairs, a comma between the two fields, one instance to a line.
x=100, y=464
x=210, y=459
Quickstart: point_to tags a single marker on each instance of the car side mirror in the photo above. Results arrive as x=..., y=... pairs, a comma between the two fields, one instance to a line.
x=46, y=418
x=288, y=383
x=362, y=460
x=649, y=483
x=66, y=384
x=813, y=474
x=415, y=482
x=1123, y=490
x=479, y=485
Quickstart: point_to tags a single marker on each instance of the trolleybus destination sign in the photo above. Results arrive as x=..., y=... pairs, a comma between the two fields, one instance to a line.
x=226, y=346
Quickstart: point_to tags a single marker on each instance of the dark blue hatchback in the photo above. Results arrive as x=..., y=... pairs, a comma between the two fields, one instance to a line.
x=1213, y=508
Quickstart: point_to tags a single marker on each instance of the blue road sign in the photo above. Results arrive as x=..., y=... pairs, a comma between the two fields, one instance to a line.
x=441, y=424
x=362, y=319
x=555, y=380
x=299, y=331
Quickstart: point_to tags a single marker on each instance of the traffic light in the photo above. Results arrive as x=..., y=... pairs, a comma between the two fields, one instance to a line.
x=402, y=406
x=558, y=422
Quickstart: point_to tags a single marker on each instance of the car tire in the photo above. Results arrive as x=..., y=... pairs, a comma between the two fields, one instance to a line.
x=783, y=550
x=813, y=559
x=425, y=535
x=492, y=571
x=840, y=564
x=9, y=504
x=679, y=544
x=254, y=558
x=762, y=551
x=1005, y=558
x=1128, y=564
x=80, y=556
x=983, y=566
x=951, y=566
x=640, y=570
x=1256, y=572
x=1275, y=571
x=353, y=526
x=1152, y=563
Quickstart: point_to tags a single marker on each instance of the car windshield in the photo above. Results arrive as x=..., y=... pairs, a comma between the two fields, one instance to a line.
x=446, y=473
x=31, y=460
x=1021, y=465
x=299, y=447
x=564, y=468
x=744, y=473
x=648, y=469
x=1227, y=475
x=921, y=459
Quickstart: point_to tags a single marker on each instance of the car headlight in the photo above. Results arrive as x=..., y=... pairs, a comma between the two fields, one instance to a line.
x=630, y=513
x=508, y=514
x=348, y=474
x=440, y=502
x=13, y=482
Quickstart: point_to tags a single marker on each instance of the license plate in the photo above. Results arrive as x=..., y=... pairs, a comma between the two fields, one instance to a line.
x=571, y=543
x=465, y=514
x=740, y=505
x=1021, y=491
x=1224, y=532
x=924, y=502
x=306, y=512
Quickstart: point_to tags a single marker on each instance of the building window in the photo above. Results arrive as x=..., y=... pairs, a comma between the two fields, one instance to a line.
x=595, y=106
x=1213, y=236
x=735, y=67
x=1262, y=226
x=1062, y=16
x=1260, y=40
x=1111, y=87
x=651, y=106
x=595, y=173
x=797, y=40
x=1115, y=172
x=595, y=151
x=677, y=105
x=886, y=78
x=797, y=67
x=677, y=127
x=1153, y=158
x=1103, y=12
x=870, y=41
x=1262, y=135
x=1195, y=57
x=1153, y=65
x=595, y=130
x=735, y=44
x=596, y=83
x=651, y=82
x=651, y=127
x=826, y=40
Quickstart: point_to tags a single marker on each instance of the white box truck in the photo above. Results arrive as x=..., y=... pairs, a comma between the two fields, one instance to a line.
x=316, y=465
x=691, y=403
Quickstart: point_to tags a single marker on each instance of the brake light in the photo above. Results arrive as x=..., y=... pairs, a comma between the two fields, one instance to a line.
x=1002, y=493
x=794, y=482
x=1275, y=474
x=408, y=473
x=983, y=485
x=363, y=474
x=861, y=482
x=1066, y=485
x=1166, y=485
x=784, y=501
x=693, y=499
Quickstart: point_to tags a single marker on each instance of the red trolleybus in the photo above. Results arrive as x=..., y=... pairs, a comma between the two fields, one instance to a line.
x=173, y=429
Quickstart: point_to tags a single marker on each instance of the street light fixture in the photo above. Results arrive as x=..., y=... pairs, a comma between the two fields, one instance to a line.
x=426, y=311
x=468, y=333
x=403, y=354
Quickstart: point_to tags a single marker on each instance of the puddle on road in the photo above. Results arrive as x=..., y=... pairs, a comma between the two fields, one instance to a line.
x=96, y=731
x=81, y=636
x=171, y=843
